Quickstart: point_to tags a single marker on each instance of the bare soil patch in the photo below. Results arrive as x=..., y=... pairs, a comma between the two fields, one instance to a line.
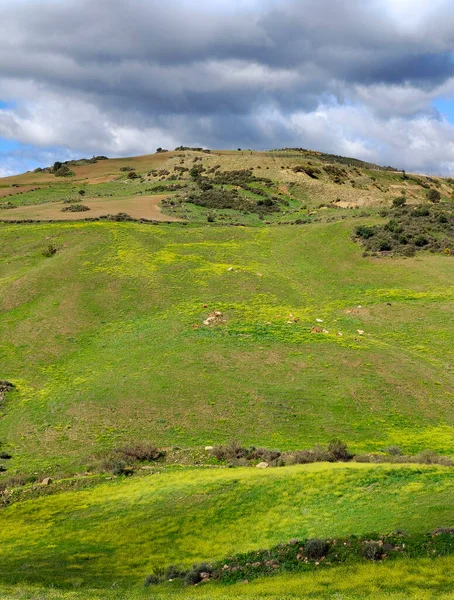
x=12, y=191
x=138, y=207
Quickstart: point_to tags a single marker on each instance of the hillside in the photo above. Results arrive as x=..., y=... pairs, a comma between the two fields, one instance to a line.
x=229, y=300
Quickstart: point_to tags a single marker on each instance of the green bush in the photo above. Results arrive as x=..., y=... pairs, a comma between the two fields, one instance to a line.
x=316, y=549
x=433, y=196
x=64, y=171
x=339, y=451
x=75, y=208
x=195, y=575
x=399, y=201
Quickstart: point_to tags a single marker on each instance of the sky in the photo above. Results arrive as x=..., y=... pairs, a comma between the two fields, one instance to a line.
x=372, y=79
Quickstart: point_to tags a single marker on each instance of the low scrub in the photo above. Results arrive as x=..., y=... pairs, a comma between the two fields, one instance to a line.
x=234, y=454
x=232, y=199
x=410, y=230
x=122, y=460
x=313, y=554
x=75, y=208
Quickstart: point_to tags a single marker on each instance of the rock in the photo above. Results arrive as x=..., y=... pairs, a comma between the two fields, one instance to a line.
x=205, y=575
x=360, y=331
x=217, y=313
x=319, y=320
x=46, y=481
x=230, y=269
x=262, y=465
x=209, y=448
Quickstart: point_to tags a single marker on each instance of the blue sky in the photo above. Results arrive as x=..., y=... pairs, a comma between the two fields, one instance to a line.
x=366, y=78
x=446, y=108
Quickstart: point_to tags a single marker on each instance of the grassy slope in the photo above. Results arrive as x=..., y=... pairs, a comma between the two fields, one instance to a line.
x=117, y=532
x=100, y=342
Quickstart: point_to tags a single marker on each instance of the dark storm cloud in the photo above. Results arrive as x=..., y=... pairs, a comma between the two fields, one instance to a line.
x=215, y=73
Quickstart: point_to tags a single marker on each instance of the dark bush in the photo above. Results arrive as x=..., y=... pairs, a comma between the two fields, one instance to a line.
x=421, y=211
x=5, y=456
x=152, y=580
x=399, y=201
x=339, y=450
x=372, y=550
x=82, y=192
x=115, y=466
x=175, y=572
x=194, y=576
x=140, y=452
x=316, y=549
x=126, y=169
x=364, y=231
x=433, y=196
x=64, y=171
x=132, y=175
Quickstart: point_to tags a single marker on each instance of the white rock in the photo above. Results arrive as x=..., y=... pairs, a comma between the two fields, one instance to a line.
x=208, y=448
x=319, y=320
x=263, y=465
x=360, y=331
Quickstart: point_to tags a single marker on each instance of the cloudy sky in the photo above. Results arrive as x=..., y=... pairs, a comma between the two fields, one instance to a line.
x=367, y=78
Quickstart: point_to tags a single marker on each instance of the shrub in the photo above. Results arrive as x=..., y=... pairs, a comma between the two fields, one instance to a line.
x=75, y=208
x=372, y=550
x=132, y=175
x=316, y=548
x=82, y=192
x=364, y=231
x=194, y=576
x=5, y=456
x=126, y=169
x=115, y=466
x=140, y=452
x=152, y=580
x=399, y=201
x=49, y=251
x=175, y=572
x=63, y=171
x=433, y=196
x=339, y=451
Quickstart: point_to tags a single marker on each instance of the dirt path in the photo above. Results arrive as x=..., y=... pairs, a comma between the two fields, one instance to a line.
x=138, y=207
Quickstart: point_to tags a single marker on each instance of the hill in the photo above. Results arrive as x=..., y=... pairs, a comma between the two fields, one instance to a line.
x=267, y=298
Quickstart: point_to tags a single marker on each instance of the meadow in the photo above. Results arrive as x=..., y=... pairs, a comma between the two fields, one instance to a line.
x=269, y=328
x=115, y=534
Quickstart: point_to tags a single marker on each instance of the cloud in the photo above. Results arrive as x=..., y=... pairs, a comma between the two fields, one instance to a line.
x=122, y=77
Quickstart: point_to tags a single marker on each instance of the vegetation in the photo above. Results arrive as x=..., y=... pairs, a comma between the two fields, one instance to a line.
x=132, y=354
x=411, y=229
x=120, y=531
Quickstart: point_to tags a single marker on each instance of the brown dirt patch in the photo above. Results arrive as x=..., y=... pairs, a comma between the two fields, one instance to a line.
x=139, y=207
x=9, y=191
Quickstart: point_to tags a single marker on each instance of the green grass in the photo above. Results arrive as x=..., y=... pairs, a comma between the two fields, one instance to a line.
x=418, y=579
x=100, y=340
x=118, y=532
